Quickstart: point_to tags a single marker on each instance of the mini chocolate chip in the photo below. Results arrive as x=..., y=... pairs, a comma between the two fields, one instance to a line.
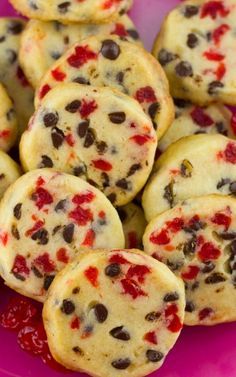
x=195, y=285
x=165, y=57
x=121, y=363
x=184, y=69
x=110, y=49
x=2, y=38
x=120, y=77
x=120, y=333
x=113, y=270
x=55, y=55
x=190, y=307
x=17, y=211
x=169, y=194
x=46, y=162
x=61, y=205
x=81, y=80
x=83, y=128
x=47, y=282
x=105, y=179
x=37, y=273
x=174, y=266
x=208, y=267
x=152, y=316
x=190, y=11
x=11, y=56
x=68, y=307
x=50, y=119
x=154, y=109
x=68, y=232
x=182, y=103
x=192, y=40
x=89, y=138
x=133, y=169
x=215, y=278
x=221, y=128
x=76, y=290
x=190, y=246
x=15, y=232
x=228, y=236
x=73, y=107
x=18, y=276
x=78, y=350
x=2, y=176
x=133, y=34
x=117, y=117
x=123, y=183
x=100, y=312
x=154, y=356
x=171, y=297
x=63, y=7
x=41, y=236
x=57, y=137
x=232, y=188
x=15, y=27
x=80, y=170
x=112, y=197
x=214, y=86
x=56, y=229
x=101, y=147
x=222, y=183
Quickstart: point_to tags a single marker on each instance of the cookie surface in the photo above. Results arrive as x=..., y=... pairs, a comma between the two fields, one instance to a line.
x=193, y=166
x=46, y=216
x=9, y=172
x=84, y=11
x=134, y=225
x=8, y=121
x=199, y=60
x=197, y=240
x=99, y=134
x=116, y=63
x=11, y=74
x=42, y=43
x=130, y=301
x=191, y=119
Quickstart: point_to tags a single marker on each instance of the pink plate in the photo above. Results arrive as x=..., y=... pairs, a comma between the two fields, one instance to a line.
x=200, y=351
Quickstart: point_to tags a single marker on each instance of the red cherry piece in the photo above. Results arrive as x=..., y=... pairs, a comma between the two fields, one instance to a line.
x=150, y=337
x=58, y=75
x=44, y=90
x=132, y=288
x=92, y=275
x=175, y=225
x=145, y=94
x=119, y=259
x=140, y=139
x=22, y=78
x=102, y=165
x=213, y=56
x=20, y=267
x=62, y=255
x=221, y=219
x=204, y=313
x=161, y=238
x=201, y=118
x=81, y=55
x=81, y=216
x=214, y=9
x=208, y=251
x=120, y=30
x=89, y=238
x=138, y=271
x=86, y=197
x=219, y=32
x=191, y=273
x=42, y=197
x=45, y=263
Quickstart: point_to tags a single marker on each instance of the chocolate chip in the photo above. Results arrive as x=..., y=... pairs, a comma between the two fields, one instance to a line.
x=18, y=276
x=101, y=147
x=120, y=77
x=89, y=138
x=208, y=267
x=2, y=38
x=182, y=103
x=68, y=232
x=232, y=188
x=11, y=56
x=41, y=236
x=123, y=183
x=73, y=107
x=112, y=197
x=56, y=229
x=227, y=235
x=78, y=350
x=61, y=205
x=47, y=282
x=133, y=169
x=152, y=316
x=68, y=307
x=221, y=128
x=37, y=273
x=190, y=11
x=169, y=194
x=83, y=128
x=190, y=307
x=192, y=40
x=15, y=232
x=100, y=312
x=50, y=119
x=133, y=34
x=174, y=266
x=57, y=137
x=214, y=86
x=55, y=55
x=222, y=183
x=17, y=211
x=154, y=356
x=110, y=49
x=46, y=162
x=120, y=333
x=80, y=170
x=117, y=117
x=76, y=290
x=184, y=69
x=215, y=278
x=15, y=27
x=171, y=297
x=105, y=180
x=154, y=109
x=63, y=7
x=165, y=57
x=113, y=270
x=190, y=246
x=121, y=363
x=81, y=80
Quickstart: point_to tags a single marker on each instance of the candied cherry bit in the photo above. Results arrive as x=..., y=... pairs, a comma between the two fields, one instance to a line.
x=229, y=154
x=120, y=30
x=219, y=32
x=204, y=313
x=58, y=75
x=87, y=108
x=132, y=288
x=214, y=9
x=151, y=337
x=213, y=56
x=140, y=139
x=42, y=197
x=220, y=71
x=86, y=197
x=101, y=164
x=44, y=90
x=22, y=78
x=173, y=321
x=139, y=271
x=91, y=274
x=62, y=255
x=118, y=258
x=221, y=219
x=208, y=251
x=233, y=123
x=201, y=118
x=81, y=55
x=4, y=238
x=191, y=273
x=175, y=225
x=109, y=3
x=81, y=215
x=20, y=266
x=89, y=238
x=161, y=238
x=146, y=94
x=75, y=323
x=45, y=263
x=38, y=225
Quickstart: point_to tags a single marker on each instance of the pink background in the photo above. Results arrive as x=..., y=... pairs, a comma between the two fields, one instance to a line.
x=200, y=352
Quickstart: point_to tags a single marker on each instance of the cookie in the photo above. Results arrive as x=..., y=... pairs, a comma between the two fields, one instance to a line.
x=132, y=302
x=42, y=43
x=11, y=74
x=112, y=61
x=197, y=241
x=84, y=131
x=134, y=225
x=9, y=173
x=45, y=216
x=193, y=166
x=192, y=120
x=8, y=121
x=199, y=58
x=85, y=11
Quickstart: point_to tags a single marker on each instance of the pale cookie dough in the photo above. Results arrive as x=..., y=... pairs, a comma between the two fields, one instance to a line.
x=9, y=173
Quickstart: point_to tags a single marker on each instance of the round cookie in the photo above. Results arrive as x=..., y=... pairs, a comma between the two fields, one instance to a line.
x=45, y=216
x=199, y=60
x=193, y=166
x=132, y=302
x=85, y=11
x=44, y=42
x=9, y=173
x=8, y=122
x=11, y=74
x=192, y=120
x=134, y=225
x=112, y=61
x=197, y=241
x=84, y=131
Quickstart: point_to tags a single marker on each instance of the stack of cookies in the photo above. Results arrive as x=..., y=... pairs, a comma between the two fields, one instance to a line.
x=91, y=112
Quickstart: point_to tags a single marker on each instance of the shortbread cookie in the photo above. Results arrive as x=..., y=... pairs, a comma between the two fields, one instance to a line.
x=11, y=74
x=193, y=166
x=44, y=218
x=8, y=122
x=115, y=313
x=196, y=48
x=9, y=173
x=98, y=134
x=197, y=241
x=44, y=42
x=134, y=225
x=85, y=11
x=191, y=119
x=112, y=61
